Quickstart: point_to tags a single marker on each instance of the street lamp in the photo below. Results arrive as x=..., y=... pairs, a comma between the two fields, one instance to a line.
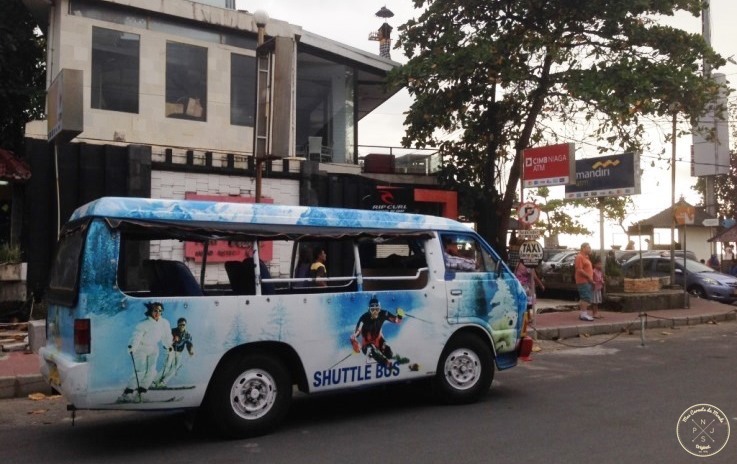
x=261, y=17
x=261, y=131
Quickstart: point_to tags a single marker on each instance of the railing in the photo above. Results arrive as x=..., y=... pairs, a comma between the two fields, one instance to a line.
x=382, y=159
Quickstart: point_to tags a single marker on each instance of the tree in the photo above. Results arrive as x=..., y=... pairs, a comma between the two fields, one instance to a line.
x=494, y=74
x=558, y=219
x=23, y=71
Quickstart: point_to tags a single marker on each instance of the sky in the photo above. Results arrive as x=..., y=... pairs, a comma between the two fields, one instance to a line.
x=350, y=22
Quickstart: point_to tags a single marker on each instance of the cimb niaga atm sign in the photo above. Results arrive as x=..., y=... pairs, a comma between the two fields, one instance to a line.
x=550, y=165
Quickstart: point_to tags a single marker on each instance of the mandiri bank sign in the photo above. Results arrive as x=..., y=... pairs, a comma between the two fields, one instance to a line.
x=550, y=165
x=614, y=175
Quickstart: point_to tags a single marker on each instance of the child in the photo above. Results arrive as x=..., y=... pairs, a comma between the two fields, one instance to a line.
x=598, y=287
x=529, y=280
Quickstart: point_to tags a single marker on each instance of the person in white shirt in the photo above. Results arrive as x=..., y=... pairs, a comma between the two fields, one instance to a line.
x=729, y=252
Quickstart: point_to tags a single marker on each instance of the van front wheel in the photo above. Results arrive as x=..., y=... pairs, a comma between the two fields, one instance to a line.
x=249, y=397
x=465, y=370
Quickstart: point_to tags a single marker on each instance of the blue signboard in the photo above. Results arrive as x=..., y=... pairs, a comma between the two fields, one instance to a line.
x=604, y=176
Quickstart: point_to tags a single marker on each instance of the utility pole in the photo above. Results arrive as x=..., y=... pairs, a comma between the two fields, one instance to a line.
x=709, y=197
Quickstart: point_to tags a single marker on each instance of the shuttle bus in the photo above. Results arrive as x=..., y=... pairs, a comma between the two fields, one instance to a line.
x=227, y=308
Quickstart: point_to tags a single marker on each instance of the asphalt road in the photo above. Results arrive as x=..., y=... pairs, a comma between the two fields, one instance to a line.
x=610, y=401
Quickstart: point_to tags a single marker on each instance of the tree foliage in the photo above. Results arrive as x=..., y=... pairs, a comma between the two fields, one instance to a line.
x=23, y=71
x=557, y=217
x=492, y=77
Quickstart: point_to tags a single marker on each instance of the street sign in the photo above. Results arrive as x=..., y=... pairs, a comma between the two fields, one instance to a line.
x=549, y=165
x=684, y=214
x=528, y=213
x=712, y=222
x=531, y=253
x=530, y=234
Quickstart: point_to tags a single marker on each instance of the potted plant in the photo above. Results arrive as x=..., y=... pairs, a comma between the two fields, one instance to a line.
x=613, y=276
x=11, y=267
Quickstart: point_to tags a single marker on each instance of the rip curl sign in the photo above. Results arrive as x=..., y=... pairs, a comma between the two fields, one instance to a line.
x=388, y=198
x=703, y=430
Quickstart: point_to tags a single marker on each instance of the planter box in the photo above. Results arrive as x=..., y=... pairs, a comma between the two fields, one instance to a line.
x=644, y=285
x=14, y=272
x=13, y=282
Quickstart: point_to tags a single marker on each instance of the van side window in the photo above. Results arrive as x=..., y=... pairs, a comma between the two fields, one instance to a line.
x=395, y=264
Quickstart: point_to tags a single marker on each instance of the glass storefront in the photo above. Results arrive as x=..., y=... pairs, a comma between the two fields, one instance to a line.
x=325, y=114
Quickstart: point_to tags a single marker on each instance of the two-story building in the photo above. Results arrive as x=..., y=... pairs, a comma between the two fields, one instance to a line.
x=180, y=99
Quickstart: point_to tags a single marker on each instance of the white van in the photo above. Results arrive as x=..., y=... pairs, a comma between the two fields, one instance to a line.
x=159, y=304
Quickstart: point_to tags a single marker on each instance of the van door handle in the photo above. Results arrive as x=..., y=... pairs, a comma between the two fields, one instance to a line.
x=456, y=292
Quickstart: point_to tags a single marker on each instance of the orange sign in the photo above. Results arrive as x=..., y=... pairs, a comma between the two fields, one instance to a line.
x=684, y=214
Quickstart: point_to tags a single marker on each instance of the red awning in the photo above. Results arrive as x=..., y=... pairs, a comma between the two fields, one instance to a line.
x=12, y=168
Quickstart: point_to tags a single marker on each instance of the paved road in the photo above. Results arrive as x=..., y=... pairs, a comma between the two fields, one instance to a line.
x=612, y=401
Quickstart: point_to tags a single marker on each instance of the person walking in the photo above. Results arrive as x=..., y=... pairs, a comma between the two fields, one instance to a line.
x=584, y=277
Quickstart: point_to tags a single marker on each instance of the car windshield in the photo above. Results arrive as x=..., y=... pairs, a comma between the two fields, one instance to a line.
x=558, y=256
x=695, y=266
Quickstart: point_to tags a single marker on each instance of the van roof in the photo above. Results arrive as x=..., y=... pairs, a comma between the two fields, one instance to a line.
x=290, y=218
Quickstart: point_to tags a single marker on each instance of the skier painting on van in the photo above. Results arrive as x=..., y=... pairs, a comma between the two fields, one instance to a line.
x=150, y=336
x=369, y=327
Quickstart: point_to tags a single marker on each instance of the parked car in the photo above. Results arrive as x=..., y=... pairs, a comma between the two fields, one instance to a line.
x=701, y=280
x=556, y=258
x=558, y=273
x=659, y=253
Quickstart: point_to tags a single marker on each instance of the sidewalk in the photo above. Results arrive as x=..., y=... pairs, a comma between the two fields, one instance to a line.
x=562, y=319
x=557, y=319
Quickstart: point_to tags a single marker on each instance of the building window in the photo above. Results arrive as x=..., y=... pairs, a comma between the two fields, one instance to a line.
x=242, y=90
x=325, y=109
x=115, y=69
x=186, y=81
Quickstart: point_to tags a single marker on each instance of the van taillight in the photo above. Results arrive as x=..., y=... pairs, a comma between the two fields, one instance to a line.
x=82, y=336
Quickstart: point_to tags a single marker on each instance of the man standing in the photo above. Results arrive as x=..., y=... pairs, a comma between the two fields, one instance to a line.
x=584, y=276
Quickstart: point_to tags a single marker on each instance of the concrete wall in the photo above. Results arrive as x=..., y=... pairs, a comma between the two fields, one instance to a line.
x=71, y=47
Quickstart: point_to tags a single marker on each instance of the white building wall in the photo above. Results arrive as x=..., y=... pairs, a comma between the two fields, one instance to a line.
x=151, y=126
x=174, y=185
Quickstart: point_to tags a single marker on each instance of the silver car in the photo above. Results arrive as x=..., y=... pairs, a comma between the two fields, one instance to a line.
x=701, y=281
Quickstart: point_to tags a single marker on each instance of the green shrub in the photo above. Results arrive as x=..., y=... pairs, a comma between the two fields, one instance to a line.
x=9, y=253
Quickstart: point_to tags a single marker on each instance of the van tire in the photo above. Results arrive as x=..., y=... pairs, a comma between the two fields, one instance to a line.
x=249, y=396
x=465, y=370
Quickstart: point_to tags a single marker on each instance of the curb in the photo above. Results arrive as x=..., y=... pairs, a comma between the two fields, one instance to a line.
x=22, y=385
x=573, y=331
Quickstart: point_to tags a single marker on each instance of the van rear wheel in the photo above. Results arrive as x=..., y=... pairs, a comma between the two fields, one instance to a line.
x=465, y=370
x=249, y=396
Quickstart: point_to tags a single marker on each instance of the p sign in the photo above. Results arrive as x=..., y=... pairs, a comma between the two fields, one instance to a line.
x=531, y=253
x=528, y=213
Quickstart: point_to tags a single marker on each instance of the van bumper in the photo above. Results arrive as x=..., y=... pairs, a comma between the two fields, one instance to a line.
x=66, y=376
